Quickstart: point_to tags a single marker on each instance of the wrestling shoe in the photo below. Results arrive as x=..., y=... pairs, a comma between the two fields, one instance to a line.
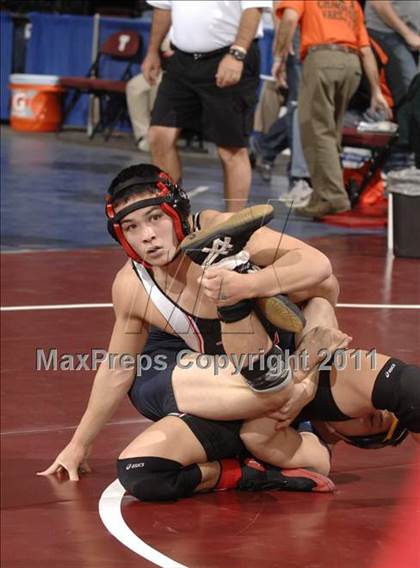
x=278, y=310
x=209, y=246
x=257, y=476
x=282, y=313
x=222, y=246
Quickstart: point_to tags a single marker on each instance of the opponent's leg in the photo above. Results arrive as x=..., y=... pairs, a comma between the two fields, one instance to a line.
x=213, y=388
x=285, y=448
x=161, y=463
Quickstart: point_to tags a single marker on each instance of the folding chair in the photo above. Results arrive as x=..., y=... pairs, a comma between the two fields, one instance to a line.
x=122, y=47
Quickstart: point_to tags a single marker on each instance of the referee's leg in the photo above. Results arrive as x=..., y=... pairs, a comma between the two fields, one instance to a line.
x=162, y=141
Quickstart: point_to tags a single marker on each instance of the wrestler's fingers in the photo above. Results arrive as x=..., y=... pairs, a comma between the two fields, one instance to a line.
x=277, y=415
x=54, y=468
x=73, y=473
x=281, y=424
x=85, y=467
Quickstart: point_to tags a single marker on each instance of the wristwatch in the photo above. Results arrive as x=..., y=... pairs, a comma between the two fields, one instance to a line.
x=237, y=53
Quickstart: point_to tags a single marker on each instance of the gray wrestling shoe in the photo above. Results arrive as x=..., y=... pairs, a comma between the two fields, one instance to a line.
x=278, y=310
x=282, y=313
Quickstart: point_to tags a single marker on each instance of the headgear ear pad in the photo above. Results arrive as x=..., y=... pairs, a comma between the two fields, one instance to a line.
x=171, y=198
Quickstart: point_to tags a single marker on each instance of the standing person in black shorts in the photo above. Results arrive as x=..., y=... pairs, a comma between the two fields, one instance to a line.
x=210, y=84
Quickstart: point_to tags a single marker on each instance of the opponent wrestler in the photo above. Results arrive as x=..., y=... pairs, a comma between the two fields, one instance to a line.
x=225, y=396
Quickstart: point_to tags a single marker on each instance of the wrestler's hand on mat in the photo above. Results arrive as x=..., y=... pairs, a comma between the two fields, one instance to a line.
x=151, y=67
x=224, y=287
x=229, y=71
x=73, y=459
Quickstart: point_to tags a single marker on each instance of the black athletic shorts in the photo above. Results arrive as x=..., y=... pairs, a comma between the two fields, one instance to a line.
x=153, y=396
x=189, y=98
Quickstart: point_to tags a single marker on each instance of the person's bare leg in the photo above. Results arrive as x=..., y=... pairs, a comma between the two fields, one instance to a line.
x=237, y=176
x=219, y=392
x=162, y=141
x=212, y=387
x=244, y=337
x=170, y=438
x=285, y=448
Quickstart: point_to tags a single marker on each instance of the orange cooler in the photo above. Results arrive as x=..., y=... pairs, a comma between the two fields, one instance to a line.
x=36, y=102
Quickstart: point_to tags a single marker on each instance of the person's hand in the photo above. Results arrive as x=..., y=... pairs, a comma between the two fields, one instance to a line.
x=378, y=103
x=224, y=287
x=151, y=68
x=278, y=71
x=229, y=71
x=301, y=395
x=73, y=459
x=413, y=40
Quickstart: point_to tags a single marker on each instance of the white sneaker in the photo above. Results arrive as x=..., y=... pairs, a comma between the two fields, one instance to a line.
x=299, y=195
x=143, y=145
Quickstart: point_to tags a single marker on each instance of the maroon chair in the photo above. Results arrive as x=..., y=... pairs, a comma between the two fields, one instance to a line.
x=123, y=47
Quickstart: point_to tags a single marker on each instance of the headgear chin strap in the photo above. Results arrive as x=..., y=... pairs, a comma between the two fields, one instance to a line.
x=171, y=199
x=394, y=436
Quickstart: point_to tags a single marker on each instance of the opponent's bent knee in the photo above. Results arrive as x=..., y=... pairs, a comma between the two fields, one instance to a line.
x=157, y=479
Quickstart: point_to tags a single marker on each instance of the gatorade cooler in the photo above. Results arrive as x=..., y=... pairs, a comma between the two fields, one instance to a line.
x=36, y=102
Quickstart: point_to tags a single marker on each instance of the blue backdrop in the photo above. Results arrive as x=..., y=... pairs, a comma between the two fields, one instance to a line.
x=6, y=43
x=62, y=45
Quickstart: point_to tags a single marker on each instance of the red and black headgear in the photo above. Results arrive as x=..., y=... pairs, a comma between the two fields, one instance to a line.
x=170, y=197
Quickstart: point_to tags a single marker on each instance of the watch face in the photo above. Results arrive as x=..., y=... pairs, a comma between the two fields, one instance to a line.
x=237, y=54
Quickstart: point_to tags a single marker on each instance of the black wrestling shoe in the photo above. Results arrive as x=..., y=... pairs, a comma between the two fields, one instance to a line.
x=257, y=476
x=209, y=246
x=223, y=244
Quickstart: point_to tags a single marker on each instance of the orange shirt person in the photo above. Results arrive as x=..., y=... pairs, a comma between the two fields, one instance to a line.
x=338, y=22
x=334, y=44
x=327, y=22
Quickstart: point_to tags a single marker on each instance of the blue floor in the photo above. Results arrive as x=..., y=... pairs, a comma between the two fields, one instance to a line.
x=53, y=189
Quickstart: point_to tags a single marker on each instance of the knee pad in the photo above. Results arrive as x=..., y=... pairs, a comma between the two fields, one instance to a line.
x=157, y=479
x=397, y=389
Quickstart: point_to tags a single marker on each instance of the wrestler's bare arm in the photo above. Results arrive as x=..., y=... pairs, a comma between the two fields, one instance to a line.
x=291, y=267
x=112, y=380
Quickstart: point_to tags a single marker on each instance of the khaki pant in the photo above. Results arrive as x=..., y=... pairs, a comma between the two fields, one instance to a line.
x=140, y=100
x=329, y=79
x=268, y=107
